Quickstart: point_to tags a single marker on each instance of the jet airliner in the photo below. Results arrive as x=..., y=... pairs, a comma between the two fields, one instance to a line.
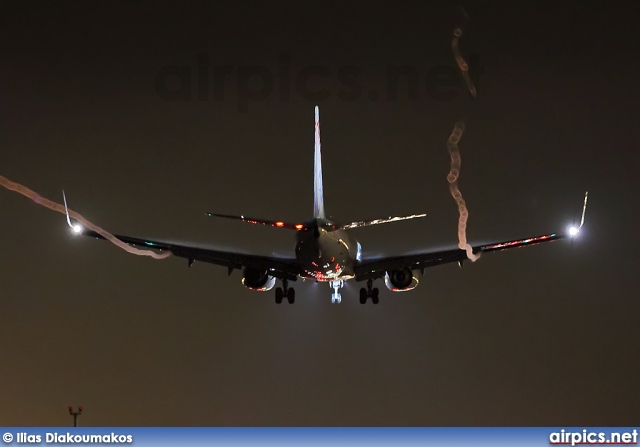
x=326, y=251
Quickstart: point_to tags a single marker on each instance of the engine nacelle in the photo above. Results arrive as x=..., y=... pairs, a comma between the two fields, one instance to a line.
x=256, y=279
x=400, y=280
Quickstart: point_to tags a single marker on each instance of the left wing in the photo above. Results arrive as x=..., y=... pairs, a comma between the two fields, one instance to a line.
x=376, y=268
x=282, y=268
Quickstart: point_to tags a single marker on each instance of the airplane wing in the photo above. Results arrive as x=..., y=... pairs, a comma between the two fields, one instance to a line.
x=376, y=268
x=282, y=268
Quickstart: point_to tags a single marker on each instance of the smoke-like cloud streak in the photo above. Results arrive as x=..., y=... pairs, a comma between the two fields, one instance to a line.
x=462, y=64
x=452, y=178
x=21, y=189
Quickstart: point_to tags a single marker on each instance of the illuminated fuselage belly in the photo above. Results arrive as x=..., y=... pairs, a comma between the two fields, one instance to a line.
x=326, y=255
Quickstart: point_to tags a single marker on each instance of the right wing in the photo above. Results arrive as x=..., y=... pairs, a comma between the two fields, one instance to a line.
x=282, y=268
x=376, y=268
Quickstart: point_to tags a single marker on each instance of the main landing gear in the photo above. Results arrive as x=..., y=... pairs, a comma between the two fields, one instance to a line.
x=336, y=285
x=374, y=293
x=285, y=292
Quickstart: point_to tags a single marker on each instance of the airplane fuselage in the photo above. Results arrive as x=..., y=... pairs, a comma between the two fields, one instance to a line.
x=325, y=252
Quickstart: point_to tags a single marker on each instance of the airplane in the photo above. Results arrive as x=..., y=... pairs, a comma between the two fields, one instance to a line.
x=326, y=251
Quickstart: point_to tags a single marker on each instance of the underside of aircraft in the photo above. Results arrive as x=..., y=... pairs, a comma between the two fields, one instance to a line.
x=326, y=251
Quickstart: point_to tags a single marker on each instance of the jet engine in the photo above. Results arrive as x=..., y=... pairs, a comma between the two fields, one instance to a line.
x=400, y=280
x=256, y=279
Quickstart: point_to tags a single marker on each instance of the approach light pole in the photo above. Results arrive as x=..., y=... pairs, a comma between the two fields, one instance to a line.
x=75, y=414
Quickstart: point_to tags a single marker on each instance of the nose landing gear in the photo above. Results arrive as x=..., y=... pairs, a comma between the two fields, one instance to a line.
x=336, y=285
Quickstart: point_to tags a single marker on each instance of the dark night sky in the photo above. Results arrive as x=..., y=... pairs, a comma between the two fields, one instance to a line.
x=546, y=335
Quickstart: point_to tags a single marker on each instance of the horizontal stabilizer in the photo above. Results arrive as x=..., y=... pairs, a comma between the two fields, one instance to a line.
x=366, y=223
x=252, y=220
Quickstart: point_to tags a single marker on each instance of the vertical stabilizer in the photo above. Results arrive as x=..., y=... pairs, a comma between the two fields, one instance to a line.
x=318, y=197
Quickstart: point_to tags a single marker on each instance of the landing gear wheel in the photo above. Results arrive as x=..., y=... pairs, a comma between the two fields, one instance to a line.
x=285, y=292
x=336, y=285
x=375, y=296
x=369, y=292
x=363, y=295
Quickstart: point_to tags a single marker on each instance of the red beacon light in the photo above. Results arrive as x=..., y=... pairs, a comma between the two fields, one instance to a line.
x=75, y=414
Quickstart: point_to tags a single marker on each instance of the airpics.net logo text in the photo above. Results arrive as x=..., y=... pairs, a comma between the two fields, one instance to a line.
x=206, y=81
x=591, y=437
